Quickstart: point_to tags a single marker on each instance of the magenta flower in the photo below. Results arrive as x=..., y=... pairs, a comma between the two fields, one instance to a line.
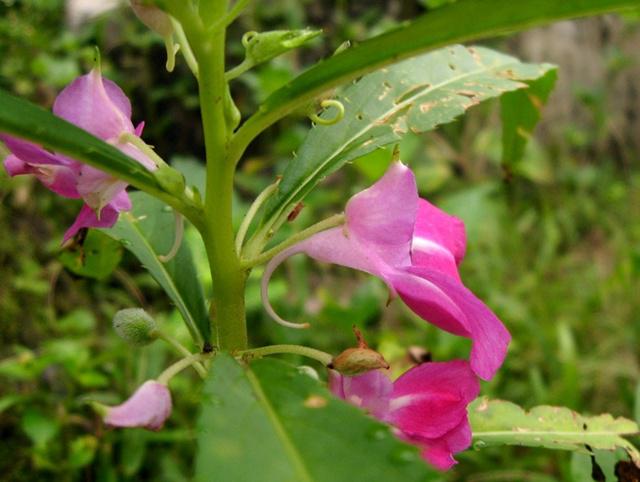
x=100, y=107
x=148, y=408
x=427, y=405
x=415, y=248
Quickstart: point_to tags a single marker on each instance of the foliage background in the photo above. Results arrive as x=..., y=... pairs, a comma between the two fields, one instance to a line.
x=553, y=248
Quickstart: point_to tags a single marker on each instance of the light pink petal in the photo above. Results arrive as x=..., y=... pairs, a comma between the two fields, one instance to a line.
x=96, y=105
x=439, y=240
x=138, y=155
x=370, y=391
x=431, y=399
x=382, y=217
x=439, y=452
x=148, y=408
x=490, y=338
x=31, y=153
x=87, y=219
x=59, y=179
x=98, y=188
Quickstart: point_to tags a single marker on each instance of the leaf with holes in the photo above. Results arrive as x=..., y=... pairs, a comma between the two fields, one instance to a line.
x=497, y=422
x=416, y=95
x=272, y=423
x=149, y=231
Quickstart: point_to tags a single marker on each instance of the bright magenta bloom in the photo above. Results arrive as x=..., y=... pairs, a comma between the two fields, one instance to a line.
x=99, y=106
x=427, y=405
x=148, y=408
x=415, y=248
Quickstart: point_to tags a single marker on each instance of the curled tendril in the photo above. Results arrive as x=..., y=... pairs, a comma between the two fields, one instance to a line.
x=325, y=104
x=165, y=258
x=247, y=37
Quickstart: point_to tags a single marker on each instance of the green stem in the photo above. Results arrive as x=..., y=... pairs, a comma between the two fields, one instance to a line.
x=227, y=304
x=142, y=146
x=183, y=350
x=251, y=213
x=185, y=48
x=333, y=221
x=321, y=356
x=238, y=70
x=180, y=365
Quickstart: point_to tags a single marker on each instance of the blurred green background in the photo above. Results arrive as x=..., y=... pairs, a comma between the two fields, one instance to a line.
x=553, y=248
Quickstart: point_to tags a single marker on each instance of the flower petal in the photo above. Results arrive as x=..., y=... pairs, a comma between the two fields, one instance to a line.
x=98, y=188
x=382, y=217
x=31, y=153
x=431, y=399
x=59, y=179
x=148, y=408
x=87, y=219
x=490, y=338
x=439, y=240
x=439, y=452
x=370, y=390
x=96, y=105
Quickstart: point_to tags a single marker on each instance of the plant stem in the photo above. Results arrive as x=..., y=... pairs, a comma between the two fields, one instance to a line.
x=251, y=213
x=180, y=365
x=321, y=356
x=185, y=48
x=333, y=221
x=227, y=304
x=183, y=350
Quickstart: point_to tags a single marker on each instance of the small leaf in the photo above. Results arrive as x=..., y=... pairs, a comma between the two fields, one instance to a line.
x=148, y=231
x=416, y=95
x=82, y=451
x=498, y=422
x=521, y=110
x=40, y=428
x=269, y=422
x=96, y=257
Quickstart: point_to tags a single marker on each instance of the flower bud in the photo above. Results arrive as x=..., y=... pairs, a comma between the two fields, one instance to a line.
x=264, y=46
x=153, y=17
x=135, y=326
x=355, y=361
x=170, y=179
x=148, y=408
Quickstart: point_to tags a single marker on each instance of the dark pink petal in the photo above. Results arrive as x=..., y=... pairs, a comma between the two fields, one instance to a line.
x=139, y=129
x=31, y=153
x=382, y=217
x=96, y=105
x=148, y=408
x=439, y=240
x=439, y=452
x=431, y=399
x=490, y=338
x=370, y=390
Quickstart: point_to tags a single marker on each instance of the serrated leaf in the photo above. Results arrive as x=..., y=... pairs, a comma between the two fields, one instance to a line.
x=416, y=95
x=148, y=231
x=520, y=112
x=498, y=422
x=270, y=422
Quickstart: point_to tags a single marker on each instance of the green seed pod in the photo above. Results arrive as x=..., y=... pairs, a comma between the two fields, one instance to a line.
x=152, y=17
x=135, y=326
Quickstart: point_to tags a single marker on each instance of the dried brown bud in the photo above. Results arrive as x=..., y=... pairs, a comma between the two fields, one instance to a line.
x=358, y=360
x=294, y=213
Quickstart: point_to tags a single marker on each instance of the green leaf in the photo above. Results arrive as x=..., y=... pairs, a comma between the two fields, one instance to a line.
x=271, y=422
x=148, y=231
x=521, y=112
x=82, y=451
x=412, y=96
x=96, y=257
x=23, y=119
x=498, y=422
x=40, y=428
x=462, y=21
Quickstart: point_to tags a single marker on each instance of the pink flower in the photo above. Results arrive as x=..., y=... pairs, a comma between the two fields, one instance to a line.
x=99, y=106
x=415, y=248
x=148, y=408
x=427, y=405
